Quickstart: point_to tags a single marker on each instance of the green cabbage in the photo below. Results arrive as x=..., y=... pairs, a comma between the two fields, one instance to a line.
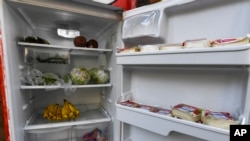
x=99, y=76
x=51, y=78
x=79, y=76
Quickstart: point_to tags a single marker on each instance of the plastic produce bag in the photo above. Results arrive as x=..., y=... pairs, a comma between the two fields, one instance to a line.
x=67, y=85
x=31, y=76
x=79, y=76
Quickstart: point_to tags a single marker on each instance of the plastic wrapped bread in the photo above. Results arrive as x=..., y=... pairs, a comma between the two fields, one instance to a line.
x=186, y=112
x=218, y=119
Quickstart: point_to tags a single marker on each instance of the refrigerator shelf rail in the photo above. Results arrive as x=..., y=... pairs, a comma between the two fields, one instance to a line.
x=63, y=48
x=90, y=114
x=235, y=55
x=62, y=87
x=164, y=124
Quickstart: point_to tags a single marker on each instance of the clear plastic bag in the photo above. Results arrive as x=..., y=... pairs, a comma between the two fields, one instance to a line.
x=145, y=24
x=31, y=76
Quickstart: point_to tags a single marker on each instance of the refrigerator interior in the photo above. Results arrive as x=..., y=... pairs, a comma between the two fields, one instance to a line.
x=215, y=79
x=41, y=19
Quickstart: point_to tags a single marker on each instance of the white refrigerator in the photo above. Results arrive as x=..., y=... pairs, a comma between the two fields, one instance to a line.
x=210, y=78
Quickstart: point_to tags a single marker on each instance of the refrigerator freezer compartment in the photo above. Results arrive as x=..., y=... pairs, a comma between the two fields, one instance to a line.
x=99, y=131
x=89, y=114
x=164, y=124
x=236, y=55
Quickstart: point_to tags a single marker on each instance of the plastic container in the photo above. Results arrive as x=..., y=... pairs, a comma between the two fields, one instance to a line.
x=144, y=28
x=52, y=134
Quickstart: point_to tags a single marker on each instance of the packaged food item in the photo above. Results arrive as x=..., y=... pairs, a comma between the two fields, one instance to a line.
x=230, y=42
x=36, y=55
x=218, y=119
x=149, y=48
x=99, y=76
x=94, y=135
x=171, y=46
x=130, y=103
x=129, y=50
x=197, y=43
x=162, y=111
x=186, y=112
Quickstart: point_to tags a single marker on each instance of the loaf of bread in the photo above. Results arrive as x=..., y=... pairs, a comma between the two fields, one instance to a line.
x=218, y=119
x=186, y=112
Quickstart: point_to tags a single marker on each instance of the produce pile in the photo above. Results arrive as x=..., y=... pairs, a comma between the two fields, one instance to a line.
x=38, y=40
x=55, y=112
x=77, y=76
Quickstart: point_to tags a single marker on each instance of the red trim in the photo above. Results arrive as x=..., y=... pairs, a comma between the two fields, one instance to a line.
x=3, y=94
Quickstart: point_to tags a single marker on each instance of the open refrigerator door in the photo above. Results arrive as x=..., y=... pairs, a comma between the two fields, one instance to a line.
x=184, y=75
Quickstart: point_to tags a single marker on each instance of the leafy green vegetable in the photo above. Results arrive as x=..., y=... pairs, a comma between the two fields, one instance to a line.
x=79, y=76
x=99, y=76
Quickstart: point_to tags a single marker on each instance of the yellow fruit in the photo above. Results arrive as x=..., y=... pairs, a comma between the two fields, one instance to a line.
x=71, y=115
x=77, y=112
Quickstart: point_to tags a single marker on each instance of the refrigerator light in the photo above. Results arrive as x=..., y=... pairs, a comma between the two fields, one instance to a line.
x=68, y=33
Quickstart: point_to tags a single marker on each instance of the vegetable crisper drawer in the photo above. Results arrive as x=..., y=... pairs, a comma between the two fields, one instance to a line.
x=52, y=134
x=92, y=132
x=144, y=27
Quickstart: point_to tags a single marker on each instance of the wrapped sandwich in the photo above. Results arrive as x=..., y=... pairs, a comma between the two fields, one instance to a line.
x=186, y=112
x=230, y=41
x=218, y=119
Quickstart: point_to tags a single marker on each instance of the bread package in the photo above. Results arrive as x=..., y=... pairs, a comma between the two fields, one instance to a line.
x=218, y=119
x=187, y=112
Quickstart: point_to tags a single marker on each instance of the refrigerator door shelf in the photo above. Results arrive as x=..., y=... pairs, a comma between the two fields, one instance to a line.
x=156, y=6
x=236, y=55
x=164, y=125
x=90, y=114
x=71, y=49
